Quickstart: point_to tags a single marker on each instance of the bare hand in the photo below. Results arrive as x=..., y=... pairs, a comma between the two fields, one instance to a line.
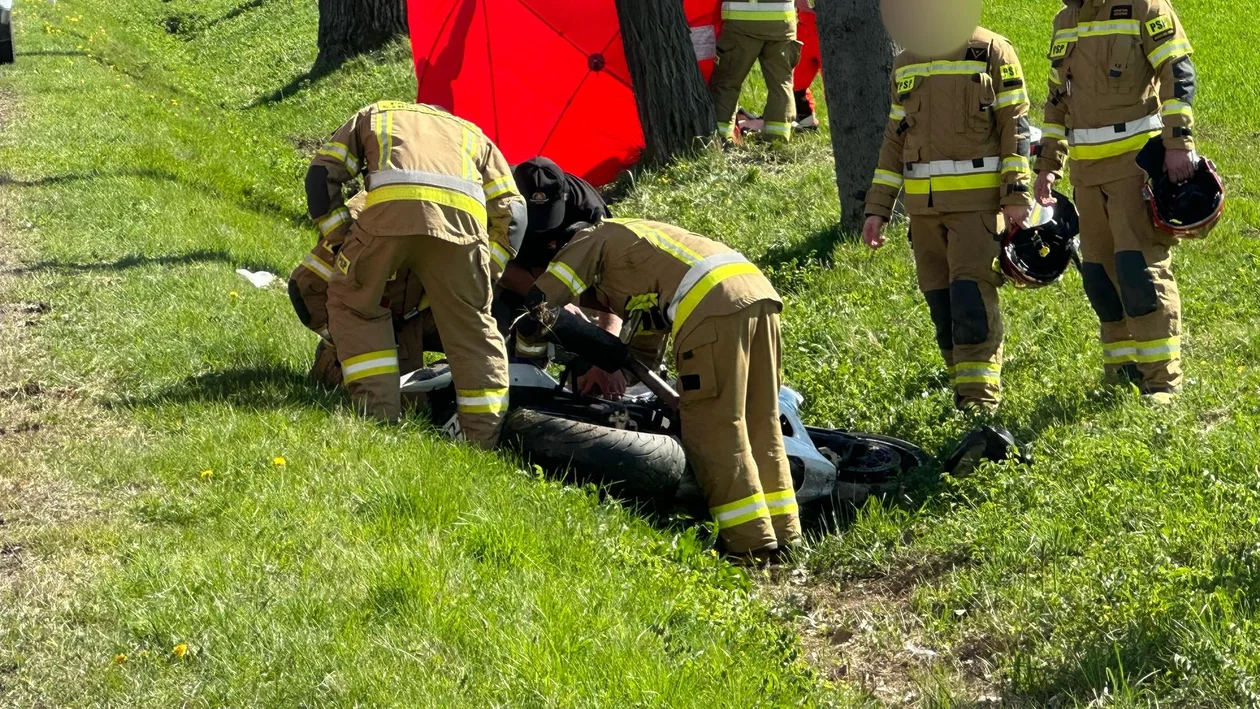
x=597, y=382
x=1043, y=188
x=1016, y=216
x=873, y=232
x=1178, y=165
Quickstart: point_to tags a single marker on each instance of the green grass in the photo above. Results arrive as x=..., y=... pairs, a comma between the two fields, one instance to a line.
x=387, y=567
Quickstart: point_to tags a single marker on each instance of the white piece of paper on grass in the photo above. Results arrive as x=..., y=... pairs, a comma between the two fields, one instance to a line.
x=259, y=279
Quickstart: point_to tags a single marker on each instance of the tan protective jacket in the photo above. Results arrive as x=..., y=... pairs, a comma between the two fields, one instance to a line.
x=426, y=172
x=957, y=138
x=663, y=277
x=1120, y=75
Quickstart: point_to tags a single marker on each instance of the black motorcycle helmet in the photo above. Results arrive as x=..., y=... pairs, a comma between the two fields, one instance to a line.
x=1188, y=210
x=1039, y=255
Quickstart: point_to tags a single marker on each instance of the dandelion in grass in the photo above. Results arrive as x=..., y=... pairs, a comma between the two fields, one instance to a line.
x=234, y=294
x=279, y=461
x=180, y=650
x=207, y=474
x=120, y=658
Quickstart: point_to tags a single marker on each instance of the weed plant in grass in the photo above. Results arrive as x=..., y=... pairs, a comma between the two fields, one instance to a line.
x=159, y=146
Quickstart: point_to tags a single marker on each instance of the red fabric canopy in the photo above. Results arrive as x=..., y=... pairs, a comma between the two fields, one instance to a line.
x=540, y=77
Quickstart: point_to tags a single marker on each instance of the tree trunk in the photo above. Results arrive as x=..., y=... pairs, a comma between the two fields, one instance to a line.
x=857, y=56
x=351, y=27
x=673, y=100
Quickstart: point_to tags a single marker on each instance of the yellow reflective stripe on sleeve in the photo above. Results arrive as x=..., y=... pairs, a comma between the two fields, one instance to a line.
x=499, y=254
x=1173, y=107
x=1055, y=131
x=897, y=113
x=341, y=152
x=317, y=266
x=1157, y=350
x=1121, y=352
x=372, y=364
x=738, y=512
x=1011, y=98
x=1018, y=163
x=566, y=275
x=481, y=401
x=660, y=240
x=1054, y=76
x=498, y=188
x=782, y=503
x=1170, y=50
x=776, y=128
x=332, y=220
x=706, y=284
x=978, y=373
x=888, y=178
x=1110, y=150
x=942, y=68
x=436, y=195
x=1104, y=28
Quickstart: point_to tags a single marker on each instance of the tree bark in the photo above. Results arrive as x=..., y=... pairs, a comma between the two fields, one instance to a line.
x=857, y=56
x=351, y=27
x=673, y=100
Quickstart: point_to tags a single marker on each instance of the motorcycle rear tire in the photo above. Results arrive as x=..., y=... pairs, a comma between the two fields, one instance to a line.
x=645, y=467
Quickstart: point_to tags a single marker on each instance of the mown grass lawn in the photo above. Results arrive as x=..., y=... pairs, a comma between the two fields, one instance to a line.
x=170, y=478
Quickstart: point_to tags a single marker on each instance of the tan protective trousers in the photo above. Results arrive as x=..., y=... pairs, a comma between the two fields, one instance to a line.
x=456, y=278
x=737, y=50
x=953, y=254
x=729, y=378
x=1127, y=273
x=414, y=337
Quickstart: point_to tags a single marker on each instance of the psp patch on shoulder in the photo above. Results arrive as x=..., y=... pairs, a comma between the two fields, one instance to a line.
x=1010, y=72
x=1122, y=12
x=1160, y=27
x=906, y=85
x=343, y=263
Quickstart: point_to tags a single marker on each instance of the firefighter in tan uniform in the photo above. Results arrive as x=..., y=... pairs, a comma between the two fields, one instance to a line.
x=1120, y=75
x=414, y=327
x=957, y=141
x=441, y=203
x=752, y=32
x=724, y=318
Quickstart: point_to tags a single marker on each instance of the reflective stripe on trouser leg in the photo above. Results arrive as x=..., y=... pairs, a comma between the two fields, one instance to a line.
x=456, y=278
x=761, y=419
x=976, y=312
x=361, y=327
x=778, y=59
x=1144, y=278
x=736, y=53
x=1098, y=277
x=715, y=393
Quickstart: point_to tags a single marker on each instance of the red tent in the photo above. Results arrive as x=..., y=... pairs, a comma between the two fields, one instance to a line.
x=541, y=77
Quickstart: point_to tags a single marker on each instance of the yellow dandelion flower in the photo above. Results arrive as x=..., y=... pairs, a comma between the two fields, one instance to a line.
x=120, y=658
x=207, y=474
x=234, y=294
x=180, y=650
x=174, y=102
x=278, y=460
x=144, y=654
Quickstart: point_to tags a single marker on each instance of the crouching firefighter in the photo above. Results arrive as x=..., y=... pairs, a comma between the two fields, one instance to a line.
x=957, y=141
x=1120, y=75
x=414, y=328
x=723, y=316
x=441, y=203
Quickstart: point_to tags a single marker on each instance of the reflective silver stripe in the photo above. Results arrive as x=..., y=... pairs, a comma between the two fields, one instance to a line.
x=758, y=6
x=528, y=350
x=432, y=179
x=937, y=168
x=1094, y=29
x=1110, y=134
x=370, y=364
x=467, y=401
x=754, y=506
x=697, y=272
x=317, y=266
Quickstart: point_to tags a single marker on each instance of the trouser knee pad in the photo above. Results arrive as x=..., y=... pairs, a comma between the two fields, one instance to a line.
x=970, y=318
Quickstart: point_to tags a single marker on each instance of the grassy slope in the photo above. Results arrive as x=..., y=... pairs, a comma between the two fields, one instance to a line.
x=378, y=566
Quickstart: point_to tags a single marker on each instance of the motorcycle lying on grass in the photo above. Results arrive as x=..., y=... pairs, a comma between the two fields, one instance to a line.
x=632, y=446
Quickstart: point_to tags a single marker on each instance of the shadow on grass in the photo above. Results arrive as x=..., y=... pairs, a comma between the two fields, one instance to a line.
x=53, y=53
x=137, y=261
x=271, y=387
x=815, y=247
x=258, y=206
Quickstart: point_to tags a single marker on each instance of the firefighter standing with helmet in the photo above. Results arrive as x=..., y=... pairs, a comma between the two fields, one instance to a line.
x=724, y=318
x=1121, y=75
x=752, y=32
x=442, y=203
x=957, y=140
